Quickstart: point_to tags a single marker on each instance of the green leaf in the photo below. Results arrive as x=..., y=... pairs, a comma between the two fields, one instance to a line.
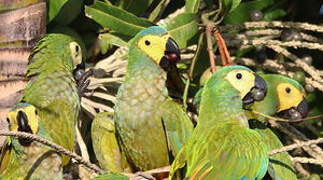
x=275, y=14
x=68, y=12
x=137, y=7
x=154, y=14
x=191, y=6
x=242, y=52
x=116, y=19
x=54, y=7
x=182, y=28
x=106, y=40
x=232, y=4
x=242, y=12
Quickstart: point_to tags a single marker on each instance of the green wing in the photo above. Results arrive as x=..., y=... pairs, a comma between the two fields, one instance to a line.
x=280, y=166
x=242, y=150
x=178, y=126
x=57, y=119
x=6, y=155
x=105, y=143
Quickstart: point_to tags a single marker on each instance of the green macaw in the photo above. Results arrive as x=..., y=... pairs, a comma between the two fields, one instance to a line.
x=151, y=127
x=105, y=144
x=286, y=98
x=222, y=146
x=25, y=159
x=50, y=72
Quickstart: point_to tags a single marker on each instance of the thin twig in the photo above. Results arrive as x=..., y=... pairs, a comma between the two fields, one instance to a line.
x=293, y=44
x=88, y=109
x=222, y=45
x=105, y=96
x=296, y=145
x=305, y=160
x=274, y=24
x=81, y=143
x=57, y=147
x=313, y=150
x=210, y=46
x=269, y=117
x=287, y=120
x=95, y=81
x=97, y=105
x=298, y=166
x=190, y=74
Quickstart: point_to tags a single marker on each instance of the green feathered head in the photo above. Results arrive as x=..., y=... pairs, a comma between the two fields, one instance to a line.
x=72, y=33
x=55, y=51
x=156, y=44
x=286, y=98
x=249, y=86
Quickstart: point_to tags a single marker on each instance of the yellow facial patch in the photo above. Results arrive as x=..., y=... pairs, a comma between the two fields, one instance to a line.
x=289, y=96
x=154, y=46
x=32, y=116
x=76, y=53
x=242, y=80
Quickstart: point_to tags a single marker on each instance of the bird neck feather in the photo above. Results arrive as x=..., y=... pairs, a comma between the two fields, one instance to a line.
x=222, y=103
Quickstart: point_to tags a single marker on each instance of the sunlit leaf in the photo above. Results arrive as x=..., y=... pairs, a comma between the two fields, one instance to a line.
x=54, y=7
x=191, y=6
x=137, y=7
x=182, y=28
x=242, y=12
x=116, y=19
x=275, y=14
x=232, y=4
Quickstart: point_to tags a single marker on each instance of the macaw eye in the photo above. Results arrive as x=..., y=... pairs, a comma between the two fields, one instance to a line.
x=36, y=112
x=147, y=42
x=77, y=49
x=239, y=75
x=288, y=90
x=76, y=53
x=8, y=120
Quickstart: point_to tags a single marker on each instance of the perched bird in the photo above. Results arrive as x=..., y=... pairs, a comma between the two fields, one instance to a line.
x=222, y=146
x=25, y=159
x=151, y=127
x=286, y=98
x=105, y=144
x=50, y=72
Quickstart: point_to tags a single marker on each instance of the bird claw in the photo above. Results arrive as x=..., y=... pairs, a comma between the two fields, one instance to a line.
x=83, y=82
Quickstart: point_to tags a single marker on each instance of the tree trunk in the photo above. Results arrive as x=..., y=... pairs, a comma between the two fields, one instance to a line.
x=23, y=23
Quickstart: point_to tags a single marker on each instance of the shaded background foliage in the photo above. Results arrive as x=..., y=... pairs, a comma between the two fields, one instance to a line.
x=106, y=26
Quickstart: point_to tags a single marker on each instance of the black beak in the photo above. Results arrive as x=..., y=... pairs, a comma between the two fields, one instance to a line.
x=79, y=71
x=295, y=113
x=257, y=93
x=303, y=108
x=22, y=121
x=23, y=126
x=172, y=55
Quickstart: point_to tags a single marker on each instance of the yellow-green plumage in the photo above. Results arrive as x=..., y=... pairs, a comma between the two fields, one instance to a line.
x=280, y=166
x=222, y=146
x=150, y=126
x=50, y=74
x=29, y=161
x=105, y=144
